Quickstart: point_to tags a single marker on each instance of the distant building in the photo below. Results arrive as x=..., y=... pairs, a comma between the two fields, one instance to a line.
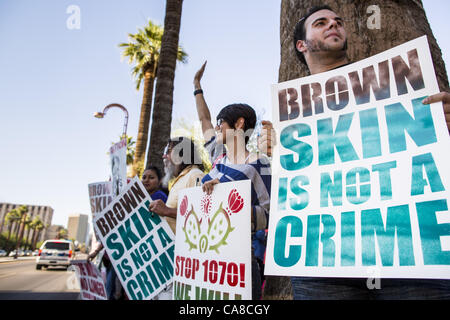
x=77, y=227
x=45, y=213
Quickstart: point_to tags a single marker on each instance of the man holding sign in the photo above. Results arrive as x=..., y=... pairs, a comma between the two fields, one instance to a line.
x=357, y=197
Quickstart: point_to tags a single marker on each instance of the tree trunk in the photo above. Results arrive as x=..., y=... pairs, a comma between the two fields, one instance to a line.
x=17, y=228
x=162, y=111
x=38, y=236
x=27, y=238
x=21, y=231
x=401, y=21
x=9, y=231
x=33, y=239
x=144, y=121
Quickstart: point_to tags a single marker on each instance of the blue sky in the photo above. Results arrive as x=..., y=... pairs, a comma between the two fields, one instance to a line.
x=52, y=80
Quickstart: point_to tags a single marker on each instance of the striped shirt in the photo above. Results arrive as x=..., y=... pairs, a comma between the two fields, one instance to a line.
x=258, y=172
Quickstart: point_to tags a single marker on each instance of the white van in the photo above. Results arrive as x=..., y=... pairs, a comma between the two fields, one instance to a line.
x=55, y=253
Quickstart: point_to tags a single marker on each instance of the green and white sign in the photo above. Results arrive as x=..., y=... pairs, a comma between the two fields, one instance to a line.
x=361, y=171
x=138, y=242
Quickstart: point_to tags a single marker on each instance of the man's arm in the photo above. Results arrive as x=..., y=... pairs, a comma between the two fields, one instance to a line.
x=160, y=208
x=267, y=139
x=95, y=252
x=202, y=108
x=443, y=97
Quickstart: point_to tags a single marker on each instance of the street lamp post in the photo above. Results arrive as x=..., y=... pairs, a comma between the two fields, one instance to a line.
x=103, y=113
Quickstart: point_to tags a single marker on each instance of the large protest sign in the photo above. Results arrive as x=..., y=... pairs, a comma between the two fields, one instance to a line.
x=92, y=286
x=213, y=243
x=118, y=157
x=139, y=243
x=361, y=171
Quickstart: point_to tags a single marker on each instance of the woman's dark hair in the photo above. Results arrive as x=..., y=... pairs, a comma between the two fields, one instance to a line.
x=233, y=112
x=156, y=170
x=300, y=32
x=193, y=156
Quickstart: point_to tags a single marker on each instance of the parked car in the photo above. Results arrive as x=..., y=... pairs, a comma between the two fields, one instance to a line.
x=35, y=253
x=20, y=253
x=2, y=253
x=55, y=253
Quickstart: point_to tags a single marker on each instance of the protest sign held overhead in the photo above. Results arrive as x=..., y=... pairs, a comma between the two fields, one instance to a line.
x=118, y=158
x=139, y=243
x=92, y=286
x=100, y=195
x=213, y=245
x=360, y=171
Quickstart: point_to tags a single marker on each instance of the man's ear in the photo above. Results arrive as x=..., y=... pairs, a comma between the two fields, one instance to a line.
x=301, y=46
x=240, y=123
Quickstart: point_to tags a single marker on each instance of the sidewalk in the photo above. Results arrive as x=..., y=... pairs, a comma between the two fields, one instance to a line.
x=11, y=259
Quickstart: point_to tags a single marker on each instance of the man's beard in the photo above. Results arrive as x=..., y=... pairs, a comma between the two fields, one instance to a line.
x=319, y=46
x=170, y=170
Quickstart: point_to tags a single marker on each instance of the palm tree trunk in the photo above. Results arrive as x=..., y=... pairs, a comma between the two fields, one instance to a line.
x=144, y=121
x=9, y=231
x=2, y=223
x=27, y=237
x=21, y=231
x=38, y=235
x=17, y=227
x=162, y=111
x=33, y=240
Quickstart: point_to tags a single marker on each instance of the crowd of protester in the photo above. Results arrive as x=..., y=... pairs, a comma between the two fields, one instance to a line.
x=320, y=42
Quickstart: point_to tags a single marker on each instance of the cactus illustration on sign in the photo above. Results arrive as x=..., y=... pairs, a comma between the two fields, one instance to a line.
x=218, y=228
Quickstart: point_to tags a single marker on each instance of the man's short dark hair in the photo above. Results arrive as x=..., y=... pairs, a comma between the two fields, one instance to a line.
x=300, y=31
x=233, y=112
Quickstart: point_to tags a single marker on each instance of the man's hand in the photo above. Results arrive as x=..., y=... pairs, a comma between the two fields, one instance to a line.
x=443, y=97
x=158, y=207
x=208, y=186
x=267, y=139
x=94, y=253
x=198, y=76
x=92, y=256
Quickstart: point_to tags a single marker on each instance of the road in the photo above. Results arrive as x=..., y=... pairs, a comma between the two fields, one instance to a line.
x=19, y=280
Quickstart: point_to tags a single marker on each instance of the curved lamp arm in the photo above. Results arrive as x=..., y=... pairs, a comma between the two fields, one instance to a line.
x=103, y=113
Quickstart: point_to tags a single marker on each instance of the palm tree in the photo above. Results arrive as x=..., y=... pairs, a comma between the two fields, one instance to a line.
x=27, y=224
x=62, y=234
x=12, y=217
x=39, y=226
x=162, y=113
x=143, y=50
x=23, y=211
x=32, y=226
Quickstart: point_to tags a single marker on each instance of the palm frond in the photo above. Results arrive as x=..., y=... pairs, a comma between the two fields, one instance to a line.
x=144, y=47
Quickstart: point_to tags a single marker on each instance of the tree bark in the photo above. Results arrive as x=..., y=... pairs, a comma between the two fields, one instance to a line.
x=144, y=120
x=401, y=21
x=162, y=111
